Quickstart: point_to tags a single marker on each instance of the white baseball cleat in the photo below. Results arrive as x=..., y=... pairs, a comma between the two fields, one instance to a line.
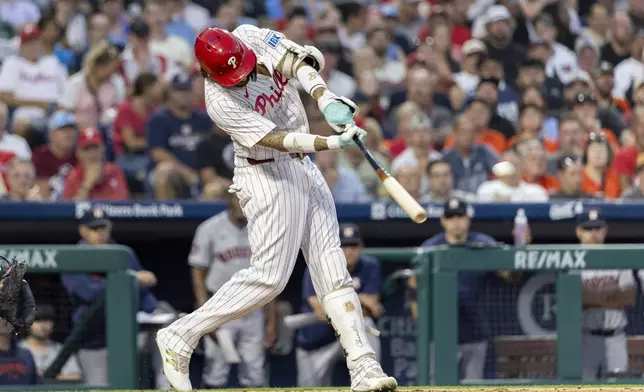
x=369, y=377
x=175, y=367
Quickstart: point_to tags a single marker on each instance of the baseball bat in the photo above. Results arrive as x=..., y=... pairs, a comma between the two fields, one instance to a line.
x=411, y=207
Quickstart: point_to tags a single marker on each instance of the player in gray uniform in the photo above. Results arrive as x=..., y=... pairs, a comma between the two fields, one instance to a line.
x=605, y=295
x=220, y=249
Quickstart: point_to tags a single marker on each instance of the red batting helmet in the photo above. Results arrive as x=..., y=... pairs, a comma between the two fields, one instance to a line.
x=224, y=57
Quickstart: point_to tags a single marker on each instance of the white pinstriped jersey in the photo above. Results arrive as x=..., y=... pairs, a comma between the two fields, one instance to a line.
x=220, y=247
x=248, y=113
x=606, y=318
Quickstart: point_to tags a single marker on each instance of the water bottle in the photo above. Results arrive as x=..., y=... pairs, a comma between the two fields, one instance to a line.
x=520, y=228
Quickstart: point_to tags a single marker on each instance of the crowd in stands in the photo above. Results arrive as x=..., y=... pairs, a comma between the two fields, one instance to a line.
x=488, y=100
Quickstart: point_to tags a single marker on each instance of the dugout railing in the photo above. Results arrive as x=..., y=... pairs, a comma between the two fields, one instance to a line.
x=120, y=304
x=438, y=301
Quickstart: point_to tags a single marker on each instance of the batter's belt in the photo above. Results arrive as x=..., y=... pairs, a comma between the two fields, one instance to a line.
x=253, y=161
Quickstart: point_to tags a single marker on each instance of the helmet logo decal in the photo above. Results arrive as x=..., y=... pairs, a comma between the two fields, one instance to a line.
x=232, y=62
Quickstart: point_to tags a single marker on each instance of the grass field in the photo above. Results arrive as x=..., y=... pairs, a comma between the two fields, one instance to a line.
x=523, y=388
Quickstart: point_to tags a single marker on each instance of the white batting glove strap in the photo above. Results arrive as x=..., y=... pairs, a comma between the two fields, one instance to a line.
x=328, y=97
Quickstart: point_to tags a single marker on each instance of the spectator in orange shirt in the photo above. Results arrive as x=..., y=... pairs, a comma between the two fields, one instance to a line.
x=625, y=159
x=598, y=178
x=479, y=111
x=534, y=164
x=570, y=140
x=585, y=107
x=93, y=178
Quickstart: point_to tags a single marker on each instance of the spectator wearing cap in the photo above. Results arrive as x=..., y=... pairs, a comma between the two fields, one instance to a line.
x=504, y=101
x=31, y=83
x=137, y=57
x=173, y=134
x=44, y=350
x=533, y=164
x=441, y=183
x=343, y=182
x=586, y=108
x=474, y=328
x=625, y=162
x=471, y=162
x=95, y=89
x=636, y=191
x=508, y=185
x=587, y=54
x=56, y=159
x=630, y=70
x=617, y=49
x=95, y=229
x=93, y=178
x=598, y=24
x=172, y=47
x=317, y=349
x=479, y=111
x=17, y=362
x=604, y=83
x=128, y=133
x=337, y=81
x=569, y=174
x=473, y=53
x=562, y=63
x=580, y=82
x=21, y=181
x=598, y=177
x=499, y=26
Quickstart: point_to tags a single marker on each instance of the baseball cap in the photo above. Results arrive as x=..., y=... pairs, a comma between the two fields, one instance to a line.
x=533, y=63
x=591, y=219
x=605, y=68
x=498, y=12
x=350, y=234
x=29, y=32
x=581, y=99
x=568, y=160
x=45, y=312
x=583, y=42
x=88, y=137
x=61, y=119
x=546, y=19
x=539, y=42
x=139, y=28
x=474, y=46
x=181, y=82
x=580, y=76
x=455, y=207
x=94, y=218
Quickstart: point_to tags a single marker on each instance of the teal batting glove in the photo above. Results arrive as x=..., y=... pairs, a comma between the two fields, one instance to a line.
x=338, y=111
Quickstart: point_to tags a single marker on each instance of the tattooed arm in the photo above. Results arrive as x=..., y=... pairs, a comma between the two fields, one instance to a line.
x=276, y=139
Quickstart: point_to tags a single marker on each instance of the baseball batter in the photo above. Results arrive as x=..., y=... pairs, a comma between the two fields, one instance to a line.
x=251, y=94
x=606, y=294
x=220, y=249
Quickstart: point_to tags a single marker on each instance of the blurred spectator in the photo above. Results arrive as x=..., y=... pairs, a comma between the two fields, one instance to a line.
x=626, y=158
x=587, y=54
x=229, y=16
x=98, y=31
x=172, y=47
x=95, y=229
x=55, y=160
x=129, y=136
x=480, y=112
x=410, y=21
x=411, y=178
x=215, y=160
x=585, y=107
x=441, y=183
x=72, y=21
x=580, y=83
x=636, y=191
x=137, y=57
x=570, y=141
x=19, y=13
x=93, y=178
x=17, y=363
x=419, y=145
x=508, y=185
x=531, y=118
x=604, y=84
x=344, y=183
x=534, y=165
x=617, y=49
x=505, y=109
x=471, y=163
x=598, y=24
x=177, y=25
x=21, y=176
x=11, y=146
x=173, y=134
x=31, y=83
x=570, y=178
x=599, y=177
x=562, y=62
x=391, y=19
x=44, y=350
x=351, y=32
x=51, y=34
x=337, y=81
x=186, y=11
x=499, y=26
x=631, y=70
x=118, y=20
x=390, y=57
x=94, y=90
x=403, y=120
x=297, y=28
x=474, y=51
x=354, y=159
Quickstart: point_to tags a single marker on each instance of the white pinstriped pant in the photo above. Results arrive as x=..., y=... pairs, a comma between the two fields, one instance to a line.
x=288, y=206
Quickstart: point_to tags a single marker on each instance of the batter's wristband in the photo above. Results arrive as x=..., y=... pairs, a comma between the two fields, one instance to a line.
x=309, y=78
